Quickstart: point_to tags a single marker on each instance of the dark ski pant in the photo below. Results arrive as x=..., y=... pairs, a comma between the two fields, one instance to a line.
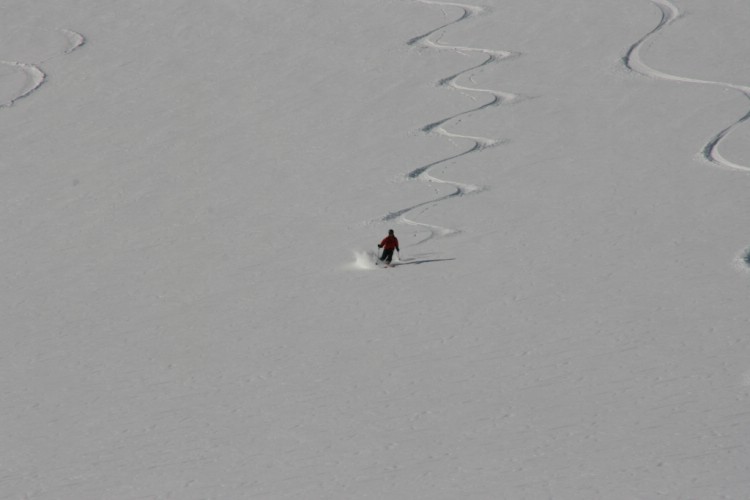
x=387, y=255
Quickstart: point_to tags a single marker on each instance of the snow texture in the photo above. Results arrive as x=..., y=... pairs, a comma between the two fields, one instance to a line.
x=192, y=197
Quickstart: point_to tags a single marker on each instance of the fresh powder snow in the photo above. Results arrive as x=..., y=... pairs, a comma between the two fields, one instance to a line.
x=192, y=197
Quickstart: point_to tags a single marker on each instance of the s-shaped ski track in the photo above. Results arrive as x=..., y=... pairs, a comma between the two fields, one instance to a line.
x=431, y=40
x=710, y=152
x=633, y=61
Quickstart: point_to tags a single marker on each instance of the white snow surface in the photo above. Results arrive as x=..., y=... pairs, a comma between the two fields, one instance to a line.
x=193, y=191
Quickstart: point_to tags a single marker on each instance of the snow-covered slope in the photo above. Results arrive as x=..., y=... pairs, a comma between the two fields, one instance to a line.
x=191, y=191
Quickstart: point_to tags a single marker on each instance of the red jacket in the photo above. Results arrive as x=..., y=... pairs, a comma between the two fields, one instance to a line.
x=389, y=242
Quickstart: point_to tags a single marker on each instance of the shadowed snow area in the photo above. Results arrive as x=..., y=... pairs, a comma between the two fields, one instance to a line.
x=193, y=194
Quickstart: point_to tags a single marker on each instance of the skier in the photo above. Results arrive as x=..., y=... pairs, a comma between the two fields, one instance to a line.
x=389, y=244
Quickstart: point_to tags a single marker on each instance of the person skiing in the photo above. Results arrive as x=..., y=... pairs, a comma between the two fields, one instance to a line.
x=389, y=244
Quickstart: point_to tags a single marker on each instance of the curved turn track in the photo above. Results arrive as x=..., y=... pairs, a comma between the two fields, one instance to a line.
x=431, y=40
x=633, y=60
x=710, y=152
x=34, y=77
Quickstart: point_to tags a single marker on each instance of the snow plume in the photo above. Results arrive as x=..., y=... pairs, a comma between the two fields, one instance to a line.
x=363, y=260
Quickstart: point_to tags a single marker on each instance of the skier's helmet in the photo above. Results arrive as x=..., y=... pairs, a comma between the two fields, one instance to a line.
x=390, y=232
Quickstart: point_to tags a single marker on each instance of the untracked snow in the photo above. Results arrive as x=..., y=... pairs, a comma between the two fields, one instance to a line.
x=192, y=197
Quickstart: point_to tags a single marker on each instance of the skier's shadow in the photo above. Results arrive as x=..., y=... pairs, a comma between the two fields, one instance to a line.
x=406, y=262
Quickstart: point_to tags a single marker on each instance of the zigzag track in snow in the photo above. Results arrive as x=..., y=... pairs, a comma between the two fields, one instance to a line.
x=710, y=152
x=34, y=77
x=431, y=40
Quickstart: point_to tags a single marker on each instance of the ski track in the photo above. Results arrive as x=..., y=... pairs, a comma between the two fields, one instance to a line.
x=710, y=152
x=34, y=76
x=431, y=40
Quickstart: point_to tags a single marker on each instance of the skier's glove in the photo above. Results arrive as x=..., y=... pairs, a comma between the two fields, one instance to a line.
x=380, y=246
